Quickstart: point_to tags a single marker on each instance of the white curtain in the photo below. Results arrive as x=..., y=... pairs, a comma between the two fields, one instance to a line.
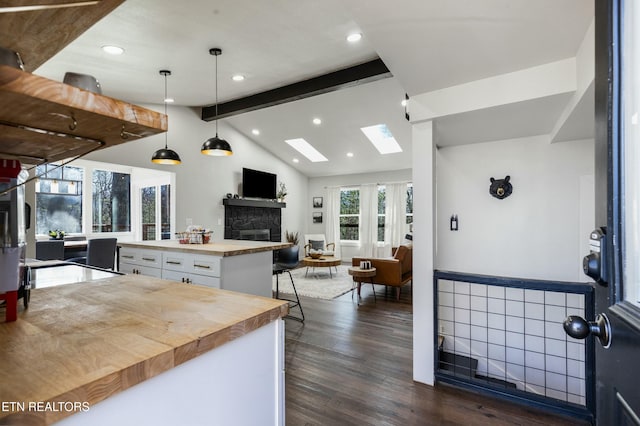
x=395, y=227
x=369, y=220
x=332, y=229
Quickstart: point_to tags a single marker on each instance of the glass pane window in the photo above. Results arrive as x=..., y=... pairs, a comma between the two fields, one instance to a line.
x=165, y=212
x=409, y=214
x=631, y=148
x=148, y=213
x=58, y=199
x=111, y=201
x=349, y=214
x=381, y=212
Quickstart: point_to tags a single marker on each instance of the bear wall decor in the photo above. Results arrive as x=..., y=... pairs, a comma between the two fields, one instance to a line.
x=501, y=188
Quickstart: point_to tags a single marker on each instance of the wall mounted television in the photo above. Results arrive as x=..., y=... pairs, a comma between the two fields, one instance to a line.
x=258, y=184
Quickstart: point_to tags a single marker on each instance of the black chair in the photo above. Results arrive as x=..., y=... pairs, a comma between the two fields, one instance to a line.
x=50, y=250
x=286, y=260
x=101, y=253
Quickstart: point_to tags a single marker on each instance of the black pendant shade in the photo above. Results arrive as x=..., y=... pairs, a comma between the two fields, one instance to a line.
x=215, y=145
x=165, y=155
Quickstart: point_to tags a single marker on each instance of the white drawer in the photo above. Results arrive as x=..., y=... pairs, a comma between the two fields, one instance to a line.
x=205, y=265
x=141, y=257
x=151, y=258
x=127, y=255
x=175, y=261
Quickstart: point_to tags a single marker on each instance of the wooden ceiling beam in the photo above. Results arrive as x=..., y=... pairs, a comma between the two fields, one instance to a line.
x=348, y=77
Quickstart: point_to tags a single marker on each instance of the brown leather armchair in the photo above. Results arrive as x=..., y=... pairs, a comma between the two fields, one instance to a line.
x=395, y=272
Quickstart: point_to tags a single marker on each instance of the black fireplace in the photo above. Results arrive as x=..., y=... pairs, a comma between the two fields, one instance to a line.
x=255, y=220
x=255, y=234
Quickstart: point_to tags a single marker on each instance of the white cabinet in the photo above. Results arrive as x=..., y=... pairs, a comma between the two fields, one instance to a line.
x=242, y=271
x=139, y=261
x=170, y=265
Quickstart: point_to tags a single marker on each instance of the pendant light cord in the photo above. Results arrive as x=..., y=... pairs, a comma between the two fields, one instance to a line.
x=165, y=110
x=216, y=96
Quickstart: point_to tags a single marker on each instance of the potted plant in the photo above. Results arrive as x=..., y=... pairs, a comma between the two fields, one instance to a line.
x=282, y=192
x=291, y=237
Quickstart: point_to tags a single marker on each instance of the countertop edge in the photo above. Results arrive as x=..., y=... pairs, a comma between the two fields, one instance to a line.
x=215, y=248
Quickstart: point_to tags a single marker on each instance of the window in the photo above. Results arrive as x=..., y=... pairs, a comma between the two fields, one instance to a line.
x=156, y=213
x=148, y=213
x=381, y=212
x=382, y=209
x=111, y=201
x=349, y=214
x=165, y=212
x=59, y=199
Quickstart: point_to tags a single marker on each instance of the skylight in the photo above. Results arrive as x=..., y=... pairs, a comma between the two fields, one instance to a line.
x=305, y=148
x=381, y=137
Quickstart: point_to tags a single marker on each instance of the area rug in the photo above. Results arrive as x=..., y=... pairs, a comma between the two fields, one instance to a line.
x=318, y=283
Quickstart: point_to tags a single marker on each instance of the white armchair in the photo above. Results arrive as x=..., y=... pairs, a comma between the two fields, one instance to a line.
x=318, y=242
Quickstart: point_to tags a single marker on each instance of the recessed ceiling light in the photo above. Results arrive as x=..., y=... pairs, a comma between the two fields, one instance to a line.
x=113, y=50
x=237, y=77
x=295, y=160
x=305, y=148
x=403, y=103
x=349, y=154
x=169, y=100
x=255, y=132
x=352, y=38
x=317, y=121
x=381, y=137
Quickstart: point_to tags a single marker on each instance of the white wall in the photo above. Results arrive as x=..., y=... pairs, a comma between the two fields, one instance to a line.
x=318, y=188
x=540, y=231
x=203, y=181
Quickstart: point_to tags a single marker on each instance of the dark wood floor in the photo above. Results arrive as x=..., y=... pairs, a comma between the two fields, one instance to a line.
x=352, y=365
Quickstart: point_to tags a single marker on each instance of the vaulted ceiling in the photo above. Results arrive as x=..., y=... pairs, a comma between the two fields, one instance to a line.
x=426, y=44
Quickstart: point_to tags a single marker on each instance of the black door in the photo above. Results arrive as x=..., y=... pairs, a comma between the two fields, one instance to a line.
x=617, y=175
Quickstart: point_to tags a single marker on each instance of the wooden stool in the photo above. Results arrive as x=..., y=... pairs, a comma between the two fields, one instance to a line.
x=359, y=275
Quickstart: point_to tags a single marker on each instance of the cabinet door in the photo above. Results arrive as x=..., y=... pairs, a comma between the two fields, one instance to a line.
x=174, y=276
x=127, y=268
x=204, y=280
x=149, y=271
x=132, y=268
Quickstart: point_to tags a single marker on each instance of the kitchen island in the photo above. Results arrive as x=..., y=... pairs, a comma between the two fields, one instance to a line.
x=237, y=265
x=140, y=350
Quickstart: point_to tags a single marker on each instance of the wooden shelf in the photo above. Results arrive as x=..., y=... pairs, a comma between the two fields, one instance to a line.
x=253, y=203
x=42, y=120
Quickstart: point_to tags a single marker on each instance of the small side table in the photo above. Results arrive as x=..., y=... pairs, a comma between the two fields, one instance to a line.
x=360, y=275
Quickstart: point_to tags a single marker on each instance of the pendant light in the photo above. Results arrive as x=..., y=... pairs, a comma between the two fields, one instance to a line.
x=215, y=145
x=165, y=155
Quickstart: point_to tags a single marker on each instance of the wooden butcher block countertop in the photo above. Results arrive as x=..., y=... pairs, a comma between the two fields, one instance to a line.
x=222, y=248
x=87, y=341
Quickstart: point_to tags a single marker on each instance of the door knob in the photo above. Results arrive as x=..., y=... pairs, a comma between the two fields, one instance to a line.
x=579, y=328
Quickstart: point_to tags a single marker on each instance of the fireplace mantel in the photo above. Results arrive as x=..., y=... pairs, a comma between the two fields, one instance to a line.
x=242, y=202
